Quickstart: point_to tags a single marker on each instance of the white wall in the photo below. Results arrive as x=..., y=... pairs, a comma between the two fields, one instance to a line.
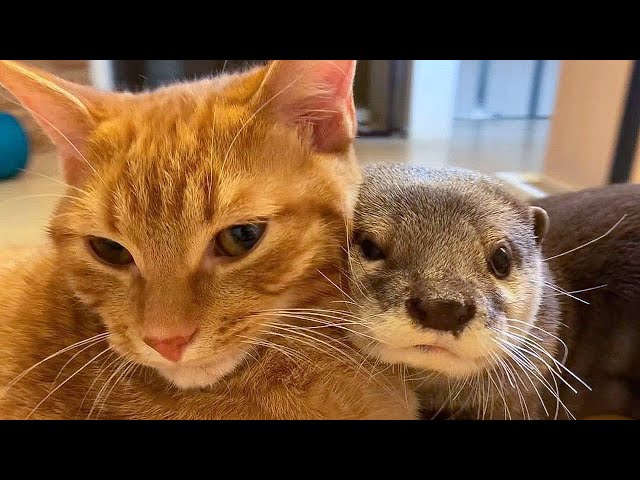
x=509, y=87
x=548, y=87
x=102, y=74
x=433, y=90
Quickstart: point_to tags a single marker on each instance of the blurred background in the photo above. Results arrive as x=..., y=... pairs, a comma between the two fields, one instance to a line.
x=543, y=126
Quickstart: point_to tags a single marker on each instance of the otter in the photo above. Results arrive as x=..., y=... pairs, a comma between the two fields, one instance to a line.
x=495, y=308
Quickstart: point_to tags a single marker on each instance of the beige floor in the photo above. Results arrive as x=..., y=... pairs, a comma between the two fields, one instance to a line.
x=26, y=202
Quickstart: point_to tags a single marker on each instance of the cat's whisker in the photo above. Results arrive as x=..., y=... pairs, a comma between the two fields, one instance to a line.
x=361, y=288
x=333, y=283
x=98, y=337
x=324, y=324
x=102, y=370
x=334, y=352
x=129, y=366
x=38, y=195
x=608, y=232
x=123, y=363
x=61, y=182
x=105, y=385
x=301, y=331
x=67, y=380
x=287, y=352
x=71, y=359
x=349, y=315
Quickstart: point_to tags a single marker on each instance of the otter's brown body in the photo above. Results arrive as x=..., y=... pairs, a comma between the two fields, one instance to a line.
x=603, y=337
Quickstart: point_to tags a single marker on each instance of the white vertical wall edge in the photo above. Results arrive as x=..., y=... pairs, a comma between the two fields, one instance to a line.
x=432, y=99
x=102, y=74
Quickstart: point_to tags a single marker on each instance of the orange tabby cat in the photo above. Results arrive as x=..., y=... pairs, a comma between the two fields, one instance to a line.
x=195, y=258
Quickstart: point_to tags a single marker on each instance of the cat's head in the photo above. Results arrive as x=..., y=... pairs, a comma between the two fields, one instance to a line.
x=192, y=208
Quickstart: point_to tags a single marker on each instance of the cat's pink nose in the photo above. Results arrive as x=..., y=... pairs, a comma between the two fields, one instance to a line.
x=170, y=348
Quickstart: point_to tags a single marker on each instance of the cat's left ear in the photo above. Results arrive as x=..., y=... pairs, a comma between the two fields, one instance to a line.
x=66, y=111
x=540, y=223
x=316, y=95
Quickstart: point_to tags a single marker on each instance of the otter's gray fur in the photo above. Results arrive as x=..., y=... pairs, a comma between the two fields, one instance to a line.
x=432, y=295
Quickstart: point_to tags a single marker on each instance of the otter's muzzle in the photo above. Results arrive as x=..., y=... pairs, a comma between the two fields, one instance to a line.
x=440, y=314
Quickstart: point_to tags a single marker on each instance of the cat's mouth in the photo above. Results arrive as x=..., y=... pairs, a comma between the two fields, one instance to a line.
x=200, y=373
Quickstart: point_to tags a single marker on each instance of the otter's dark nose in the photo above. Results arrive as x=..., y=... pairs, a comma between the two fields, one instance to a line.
x=447, y=315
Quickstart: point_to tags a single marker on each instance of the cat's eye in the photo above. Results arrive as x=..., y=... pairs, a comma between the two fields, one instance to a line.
x=110, y=252
x=370, y=250
x=238, y=240
x=500, y=262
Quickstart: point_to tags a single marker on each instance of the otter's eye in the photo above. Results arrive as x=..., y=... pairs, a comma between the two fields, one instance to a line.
x=501, y=262
x=371, y=251
x=110, y=252
x=239, y=239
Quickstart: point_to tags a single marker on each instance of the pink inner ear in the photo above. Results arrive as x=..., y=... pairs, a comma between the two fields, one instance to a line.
x=318, y=94
x=59, y=107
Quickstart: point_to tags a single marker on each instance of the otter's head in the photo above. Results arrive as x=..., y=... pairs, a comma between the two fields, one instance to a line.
x=442, y=262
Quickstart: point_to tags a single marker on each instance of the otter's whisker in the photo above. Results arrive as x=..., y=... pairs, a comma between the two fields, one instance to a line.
x=522, y=363
x=500, y=390
x=556, y=362
x=562, y=292
x=512, y=374
x=533, y=354
x=589, y=242
x=566, y=348
x=577, y=291
x=518, y=363
x=520, y=351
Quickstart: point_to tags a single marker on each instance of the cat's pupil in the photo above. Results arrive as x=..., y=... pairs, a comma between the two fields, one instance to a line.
x=110, y=252
x=247, y=235
x=238, y=240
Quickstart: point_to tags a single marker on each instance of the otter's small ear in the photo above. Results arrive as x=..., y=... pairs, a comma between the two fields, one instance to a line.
x=540, y=223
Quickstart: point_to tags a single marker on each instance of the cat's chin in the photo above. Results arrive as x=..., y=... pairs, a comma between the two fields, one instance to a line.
x=190, y=376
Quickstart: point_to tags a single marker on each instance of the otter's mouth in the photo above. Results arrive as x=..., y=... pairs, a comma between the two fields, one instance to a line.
x=425, y=348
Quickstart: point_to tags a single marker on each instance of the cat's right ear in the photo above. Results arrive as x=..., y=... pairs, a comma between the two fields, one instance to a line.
x=315, y=95
x=65, y=111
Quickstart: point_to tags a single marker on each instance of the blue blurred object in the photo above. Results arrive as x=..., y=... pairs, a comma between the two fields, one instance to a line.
x=14, y=146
